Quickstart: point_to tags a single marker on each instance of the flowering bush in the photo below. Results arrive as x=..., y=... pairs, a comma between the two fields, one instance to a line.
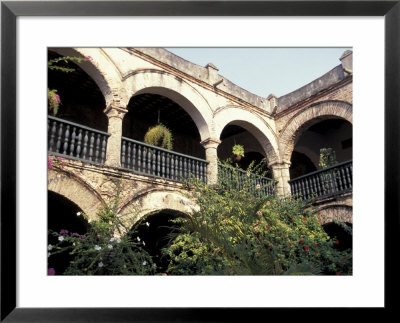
x=104, y=249
x=237, y=232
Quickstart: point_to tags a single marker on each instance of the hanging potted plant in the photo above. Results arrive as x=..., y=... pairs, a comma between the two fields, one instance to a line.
x=159, y=136
x=238, y=152
x=53, y=100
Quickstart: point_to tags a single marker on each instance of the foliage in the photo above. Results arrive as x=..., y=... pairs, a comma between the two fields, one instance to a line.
x=53, y=100
x=327, y=157
x=54, y=64
x=235, y=232
x=104, y=249
x=238, y=150
x=160, y=136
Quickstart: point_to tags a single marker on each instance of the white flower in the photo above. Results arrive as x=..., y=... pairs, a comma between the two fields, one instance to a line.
x=118, y=240
x=96, y=247
x=112, y=239
x=60, y=238
x=110, y=246
x=49, y=247
x=100, y=264
x=144, y=243
x=144, y=263
x=48, y=254
x=138, y=239
x=148, y=224
x=78, y=213
x=118, y=215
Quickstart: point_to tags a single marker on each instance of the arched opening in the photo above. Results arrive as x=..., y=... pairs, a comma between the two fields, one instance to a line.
x=62, y=215
x=331, y=133
x=146, y=110
x=155, y=232
x=82, y=101
x=341, y=232
x=234, y=134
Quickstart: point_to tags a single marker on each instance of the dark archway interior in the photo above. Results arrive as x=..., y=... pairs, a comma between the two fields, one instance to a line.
x=62, y=214
x=81, y=99
x=146, y=110
x=234, y=134
x=300, y=165
x=330, y=133
x=157, y=234
x=336, y=231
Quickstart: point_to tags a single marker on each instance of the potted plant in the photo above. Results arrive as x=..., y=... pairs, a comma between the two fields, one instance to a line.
x=238, y=152
x=53, y=100
x=159, y=136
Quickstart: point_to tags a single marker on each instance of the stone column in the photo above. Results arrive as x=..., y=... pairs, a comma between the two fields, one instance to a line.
x=211, y=145
x=113, y=154
x=281, y=174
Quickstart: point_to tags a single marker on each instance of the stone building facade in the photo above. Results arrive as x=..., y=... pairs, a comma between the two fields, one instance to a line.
x=118, y=92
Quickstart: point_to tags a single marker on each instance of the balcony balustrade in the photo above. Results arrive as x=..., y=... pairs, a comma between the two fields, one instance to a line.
x=240, y=179
x=75, y=141
x=330, y=181
x=146, y=159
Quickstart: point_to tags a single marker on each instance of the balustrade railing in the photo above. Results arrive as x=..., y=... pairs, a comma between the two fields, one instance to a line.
x=332, y=180
x=76, y=141
x=240, y=179
x=151, y=160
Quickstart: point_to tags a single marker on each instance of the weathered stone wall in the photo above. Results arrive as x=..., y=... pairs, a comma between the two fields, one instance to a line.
x=212, y=102
x=93, y=186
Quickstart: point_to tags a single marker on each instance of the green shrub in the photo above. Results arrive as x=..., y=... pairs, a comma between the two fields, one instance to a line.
x=236, y=232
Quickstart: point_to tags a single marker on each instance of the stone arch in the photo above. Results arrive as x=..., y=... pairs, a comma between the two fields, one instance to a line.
x=174, y=88
x=151, y=201
x=254, y=124
x=341, y=213
x=99, y=68
x=308, y=117
x=76, y=190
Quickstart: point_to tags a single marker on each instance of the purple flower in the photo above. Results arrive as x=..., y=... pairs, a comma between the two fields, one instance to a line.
x=51, y=272
x=75, y=234
x=64, y=231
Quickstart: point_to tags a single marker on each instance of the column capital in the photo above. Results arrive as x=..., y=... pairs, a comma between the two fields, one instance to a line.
x=115, y=112
x=210, y=143
x=280, y=165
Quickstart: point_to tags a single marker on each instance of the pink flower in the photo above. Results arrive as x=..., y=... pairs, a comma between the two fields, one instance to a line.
x=58, y=100
x=90, y=58
x=49, y=163
x=51, y=272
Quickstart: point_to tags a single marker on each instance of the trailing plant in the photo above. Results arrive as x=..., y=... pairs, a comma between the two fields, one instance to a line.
x=105, y=249
x=235, y=232
x=160, y=136
x=327, y=157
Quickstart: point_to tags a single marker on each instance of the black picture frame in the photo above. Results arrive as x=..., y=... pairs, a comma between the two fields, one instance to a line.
x=10, y=10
